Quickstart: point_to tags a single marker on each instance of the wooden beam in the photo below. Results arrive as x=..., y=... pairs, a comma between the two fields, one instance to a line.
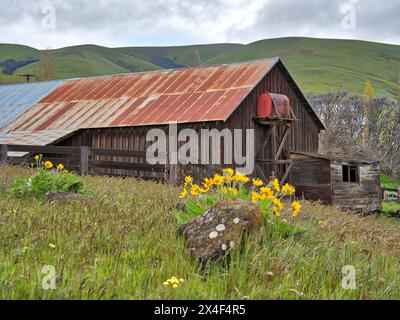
x=3, y=154
x=258, y=168
x=84, y=160
x=282, y=144
x=265, y=143
x=288, y=161
x=289, y=168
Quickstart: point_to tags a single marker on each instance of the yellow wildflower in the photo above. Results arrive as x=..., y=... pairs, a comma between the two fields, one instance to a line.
x=240, y=177
x=234, y=191
x=218, y=180
x=278, y=204
x=268, y=192
x=52, y=246
x=277, y=213
x=183, y=194
x=229, y=172
x=255, y=197
x=296, y=208
x=166, y=284
x=175, y=286
x=60, y=167
x=195, y=189
x=48, y=164
x=204, y=190
x=188, y=179
x=276, y=185
x=208, y=182
x=288, y=189
x=181, y=280
x=37, y=157
x=258, y=182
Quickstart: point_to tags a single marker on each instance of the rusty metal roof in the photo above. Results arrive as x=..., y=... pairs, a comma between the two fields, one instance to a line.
x=195, y=94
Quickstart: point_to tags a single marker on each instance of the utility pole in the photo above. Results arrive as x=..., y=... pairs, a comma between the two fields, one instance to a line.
x=27, y=76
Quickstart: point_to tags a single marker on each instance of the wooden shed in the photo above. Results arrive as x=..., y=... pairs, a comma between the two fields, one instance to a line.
x=117, y=112
x=349, y=183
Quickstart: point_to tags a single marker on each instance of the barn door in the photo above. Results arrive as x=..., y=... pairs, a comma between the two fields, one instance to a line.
x=275, y=144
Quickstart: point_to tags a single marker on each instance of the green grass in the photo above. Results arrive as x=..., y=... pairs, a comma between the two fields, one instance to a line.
x=318, y=65
x=122, y=244
x=390, y=207
x=387, y=182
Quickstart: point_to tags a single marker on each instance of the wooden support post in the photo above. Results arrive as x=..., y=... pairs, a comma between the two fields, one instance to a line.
x=289, y=168
x=173, y=174
x=84, y=161
x=282, y=145
x=3, y=154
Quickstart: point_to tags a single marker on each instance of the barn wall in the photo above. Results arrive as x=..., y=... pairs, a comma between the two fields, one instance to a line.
x=312, y=179
x=363, y=196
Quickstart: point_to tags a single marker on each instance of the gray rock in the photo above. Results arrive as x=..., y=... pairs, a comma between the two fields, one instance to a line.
x=213, y=234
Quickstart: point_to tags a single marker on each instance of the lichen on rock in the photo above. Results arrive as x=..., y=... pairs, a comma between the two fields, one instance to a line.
x=211, y=235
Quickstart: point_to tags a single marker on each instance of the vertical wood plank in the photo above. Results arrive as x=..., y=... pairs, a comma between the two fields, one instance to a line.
x=84, y=161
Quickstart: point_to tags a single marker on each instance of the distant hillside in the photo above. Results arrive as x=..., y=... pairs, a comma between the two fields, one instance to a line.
x=318, y=65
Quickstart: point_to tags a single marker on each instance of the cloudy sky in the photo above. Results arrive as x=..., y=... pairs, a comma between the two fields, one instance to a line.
x=59, y=23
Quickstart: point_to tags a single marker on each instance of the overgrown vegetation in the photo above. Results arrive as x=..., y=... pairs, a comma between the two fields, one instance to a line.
x=122, y=244
x=197, y=199
x=46, y=179
x=361, y=126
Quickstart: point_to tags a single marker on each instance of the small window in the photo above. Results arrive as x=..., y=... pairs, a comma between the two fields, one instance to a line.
x=350, y=174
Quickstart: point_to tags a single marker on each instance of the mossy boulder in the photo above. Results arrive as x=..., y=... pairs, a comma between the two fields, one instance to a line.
x=213, y=234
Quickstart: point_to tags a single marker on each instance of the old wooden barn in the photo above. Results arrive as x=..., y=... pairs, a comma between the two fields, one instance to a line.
x=117, y=112
x=347, y=182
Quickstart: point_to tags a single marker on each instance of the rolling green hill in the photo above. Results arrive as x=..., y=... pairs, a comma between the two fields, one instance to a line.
x=318, y=65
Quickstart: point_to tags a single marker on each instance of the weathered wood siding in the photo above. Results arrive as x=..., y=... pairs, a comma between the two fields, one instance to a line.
x=364, y=196
x=312, y=178
x=304, y=136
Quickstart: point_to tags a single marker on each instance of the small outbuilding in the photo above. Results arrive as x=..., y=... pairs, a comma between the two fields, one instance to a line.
x=349, y=183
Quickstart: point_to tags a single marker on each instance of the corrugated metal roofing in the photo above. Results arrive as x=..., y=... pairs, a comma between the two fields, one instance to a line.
x=196, y=94
x=15, y=99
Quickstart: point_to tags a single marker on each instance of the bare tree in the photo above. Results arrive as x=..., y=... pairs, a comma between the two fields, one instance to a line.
x=361, y=126
x=46, y=69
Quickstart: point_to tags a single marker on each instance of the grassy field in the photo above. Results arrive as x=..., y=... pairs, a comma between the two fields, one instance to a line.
x=122, y=244
x=387, y=182
x=318, y=65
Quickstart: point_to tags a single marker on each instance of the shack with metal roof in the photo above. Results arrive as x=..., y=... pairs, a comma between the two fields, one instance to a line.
x=117, y=112
x=351, y=183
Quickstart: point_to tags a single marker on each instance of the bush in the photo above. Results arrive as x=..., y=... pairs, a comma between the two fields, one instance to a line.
x=269, y=197
x=47, y=179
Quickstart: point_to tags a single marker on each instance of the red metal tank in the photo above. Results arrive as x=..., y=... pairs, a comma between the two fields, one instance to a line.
x=264, y=105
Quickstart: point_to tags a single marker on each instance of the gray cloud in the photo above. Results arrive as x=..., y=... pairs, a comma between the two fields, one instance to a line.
x=174, y=22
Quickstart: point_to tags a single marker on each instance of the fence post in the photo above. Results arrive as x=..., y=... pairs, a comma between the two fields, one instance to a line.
x=173, y=174
x=84, y=160
x=3, y=154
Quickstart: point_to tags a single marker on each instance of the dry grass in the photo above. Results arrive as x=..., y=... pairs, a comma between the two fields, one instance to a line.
x=122, y=244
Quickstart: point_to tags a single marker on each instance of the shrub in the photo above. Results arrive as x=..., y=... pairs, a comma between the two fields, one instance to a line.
x=46, y=179
x=233, y=185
